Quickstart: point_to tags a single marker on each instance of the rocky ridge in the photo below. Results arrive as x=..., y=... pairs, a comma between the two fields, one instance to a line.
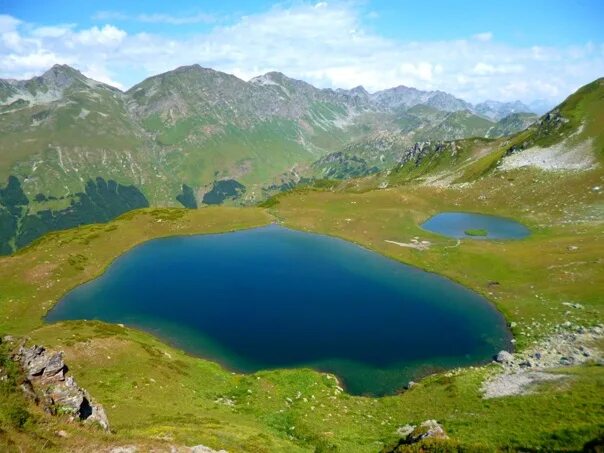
x=46, y=383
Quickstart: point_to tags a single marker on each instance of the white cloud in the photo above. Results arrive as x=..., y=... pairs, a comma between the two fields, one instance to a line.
x=54, y=31
x=105, y=36
x=484, y=37
x=176, y=20
x=485, y=69
x=8, y=23
x=323, y=43
x=156, y=18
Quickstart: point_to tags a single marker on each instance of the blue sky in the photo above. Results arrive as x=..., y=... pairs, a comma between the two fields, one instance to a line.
x=477, y=50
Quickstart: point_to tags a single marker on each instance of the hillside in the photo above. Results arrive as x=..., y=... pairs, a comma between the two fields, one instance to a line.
x=194, y=129
x=547, y=392
x=568, y=138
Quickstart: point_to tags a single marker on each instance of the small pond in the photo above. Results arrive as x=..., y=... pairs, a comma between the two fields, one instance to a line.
x=272, y=297
x=475, y=226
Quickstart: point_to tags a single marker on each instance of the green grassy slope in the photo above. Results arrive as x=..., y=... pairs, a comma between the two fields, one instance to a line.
x=152, y=391
x=156, y=395
x=456, y=125
x=578, y=120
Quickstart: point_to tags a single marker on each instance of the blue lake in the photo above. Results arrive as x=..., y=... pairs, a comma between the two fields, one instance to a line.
x=456, y=224
x=272, y=297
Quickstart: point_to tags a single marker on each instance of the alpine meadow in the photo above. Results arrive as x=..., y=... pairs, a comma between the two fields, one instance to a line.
x=301, y=227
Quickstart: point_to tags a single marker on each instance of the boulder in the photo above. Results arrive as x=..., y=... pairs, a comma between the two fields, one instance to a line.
x=430, y=429
x=504, y=357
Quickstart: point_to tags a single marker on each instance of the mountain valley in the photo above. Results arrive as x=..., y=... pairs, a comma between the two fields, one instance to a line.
x=91, y=173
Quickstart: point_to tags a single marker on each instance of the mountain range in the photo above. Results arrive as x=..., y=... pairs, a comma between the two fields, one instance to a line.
x=196, y=136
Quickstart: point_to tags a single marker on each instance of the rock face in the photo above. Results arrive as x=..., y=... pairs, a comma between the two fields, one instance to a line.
x=47, y=384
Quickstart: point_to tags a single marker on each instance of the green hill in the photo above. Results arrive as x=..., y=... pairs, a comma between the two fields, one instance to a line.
x=200, y=128
x=547, y=286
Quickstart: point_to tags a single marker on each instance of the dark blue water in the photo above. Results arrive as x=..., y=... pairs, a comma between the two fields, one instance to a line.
x=455, y=224
x=273, y=298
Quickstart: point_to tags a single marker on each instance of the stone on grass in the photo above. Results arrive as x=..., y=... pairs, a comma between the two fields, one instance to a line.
x=504, y=357
x=430, y=429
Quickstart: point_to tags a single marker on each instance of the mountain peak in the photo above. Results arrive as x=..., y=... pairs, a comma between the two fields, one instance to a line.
x=61, y=76
x=191, y=69
x=188, y=68
x=62, y=69
x=280, y=79
x=359, y=90
x=276, y=75
x=270, y=78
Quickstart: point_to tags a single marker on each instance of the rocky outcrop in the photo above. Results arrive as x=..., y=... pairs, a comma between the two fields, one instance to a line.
x=47, y=385
x=422, y=150
x=571, y=345
x=430, y=429
x=412, y=434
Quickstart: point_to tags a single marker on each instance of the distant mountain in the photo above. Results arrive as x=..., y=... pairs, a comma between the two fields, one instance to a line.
x=456, y=125
x=495, y=110
x=511, y=124
x=46, y=88
x=403, y=97
x=184, y=134
x=541, y=106
x=569, y=138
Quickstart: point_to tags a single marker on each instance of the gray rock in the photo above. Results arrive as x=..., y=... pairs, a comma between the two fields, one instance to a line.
x=33, y=360
x=55, y=365
x=566, y=361
x=405, y=430
x=47, y=385
x=504, y=357
x=204, y=449
x=430, y=429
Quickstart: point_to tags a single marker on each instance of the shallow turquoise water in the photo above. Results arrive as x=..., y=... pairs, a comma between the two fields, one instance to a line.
x=455, y=224
x=274, y=298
